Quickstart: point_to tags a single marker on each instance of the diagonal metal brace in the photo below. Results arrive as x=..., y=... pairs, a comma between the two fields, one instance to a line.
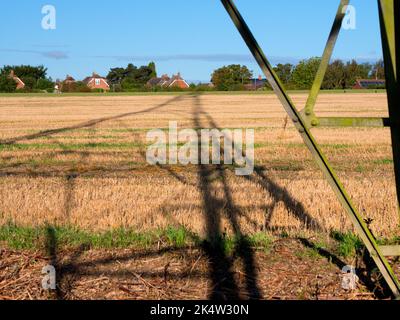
x=359, y=224
x=308, y=112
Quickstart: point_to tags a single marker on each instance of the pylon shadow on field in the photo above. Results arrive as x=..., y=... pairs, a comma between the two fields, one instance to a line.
x=73, y=174
x=281, y=195
x=72, y=266
x=278, y=193
x=214, y=209
x=70, y=178
x=64, y=284
x=224, y=285
x=69, y=267
x=51, y=132
x=365, y=266
x=87, y=124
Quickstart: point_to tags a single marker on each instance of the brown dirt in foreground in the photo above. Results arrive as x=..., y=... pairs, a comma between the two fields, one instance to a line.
x=288, y=271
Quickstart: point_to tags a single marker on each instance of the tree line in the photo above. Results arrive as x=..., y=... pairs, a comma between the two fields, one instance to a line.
x=35, y=78
x=131, y=78
x=339, y=75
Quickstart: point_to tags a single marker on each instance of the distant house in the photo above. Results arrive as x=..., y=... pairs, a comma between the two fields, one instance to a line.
x=369, y=84
x=67, y=85
x=18, y=81
x=154, y=82
x=166, y=82
x=177, y=82
x=256, y=84
x=69, y=80
x=97, y=82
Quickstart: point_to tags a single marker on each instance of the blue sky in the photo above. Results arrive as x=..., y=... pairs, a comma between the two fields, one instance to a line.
x=193, y=37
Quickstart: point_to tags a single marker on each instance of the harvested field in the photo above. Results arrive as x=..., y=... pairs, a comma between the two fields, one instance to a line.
x=80, y=162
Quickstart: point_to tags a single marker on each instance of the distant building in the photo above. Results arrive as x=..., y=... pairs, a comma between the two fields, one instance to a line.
x=18, y=81
x=69, y=80
x=256, y=84
x=176, y=81
x=97, y=82
x=68, y=84
x=154, y=82
x=369, y=84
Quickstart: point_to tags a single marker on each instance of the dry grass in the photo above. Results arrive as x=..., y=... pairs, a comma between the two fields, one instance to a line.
x=174, y=274
x=92, y=173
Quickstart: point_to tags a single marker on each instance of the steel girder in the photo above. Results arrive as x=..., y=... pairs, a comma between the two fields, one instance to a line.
x=304, y=120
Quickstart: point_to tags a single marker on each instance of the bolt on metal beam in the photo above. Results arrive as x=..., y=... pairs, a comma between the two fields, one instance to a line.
x=358, y=222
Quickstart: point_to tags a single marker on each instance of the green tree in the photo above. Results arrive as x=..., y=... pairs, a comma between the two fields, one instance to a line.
x=304, y=73
x=30, y=83
x=354, y=71
x=284, y=72
x=335, y=76
x=130, y=70
x=116, y=75
x=7, y=84
x=378, y=70
x=128, y=84
x=26, y=71
x=232, y=77
x=45, y=84
x=80, y=86
x=142, y=75
x=30, y=75
x=131, y=77
x=152, y=67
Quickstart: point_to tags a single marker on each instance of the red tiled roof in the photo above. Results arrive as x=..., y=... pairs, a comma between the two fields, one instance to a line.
x=93, y=76
x=166, y=81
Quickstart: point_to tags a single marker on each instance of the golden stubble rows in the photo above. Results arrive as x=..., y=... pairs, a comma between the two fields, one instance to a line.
x=105, y=182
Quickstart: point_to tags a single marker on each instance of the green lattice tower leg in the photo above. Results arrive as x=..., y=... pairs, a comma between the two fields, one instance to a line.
x=298, y=121
x=389, y=14
x=308, y=112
